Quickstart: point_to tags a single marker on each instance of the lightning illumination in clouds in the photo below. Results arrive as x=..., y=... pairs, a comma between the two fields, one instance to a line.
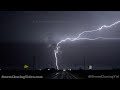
x=56, y=51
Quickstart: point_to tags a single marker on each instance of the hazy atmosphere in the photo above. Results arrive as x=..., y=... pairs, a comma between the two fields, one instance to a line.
x=26, y=36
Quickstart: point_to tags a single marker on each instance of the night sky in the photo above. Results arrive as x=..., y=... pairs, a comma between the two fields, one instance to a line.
x=28, y=34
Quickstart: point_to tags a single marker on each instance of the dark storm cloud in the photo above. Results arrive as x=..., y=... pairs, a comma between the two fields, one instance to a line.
x=33, y=25
x=49, y=27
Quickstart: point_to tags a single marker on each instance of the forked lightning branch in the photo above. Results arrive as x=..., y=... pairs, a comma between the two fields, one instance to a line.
x=56, y=51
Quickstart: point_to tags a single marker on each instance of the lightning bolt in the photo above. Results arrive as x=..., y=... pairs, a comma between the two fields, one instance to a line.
x=56, y=51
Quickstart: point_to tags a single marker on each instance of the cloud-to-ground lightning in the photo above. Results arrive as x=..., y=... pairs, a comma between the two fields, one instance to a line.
x=56, y=51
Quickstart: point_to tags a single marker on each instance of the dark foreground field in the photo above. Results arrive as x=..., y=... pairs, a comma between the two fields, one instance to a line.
x=60, y=74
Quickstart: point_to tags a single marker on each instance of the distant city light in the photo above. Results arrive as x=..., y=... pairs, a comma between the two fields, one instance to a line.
x=90, y=67
x=69, y=69
x=48, y=69
x=64, y=70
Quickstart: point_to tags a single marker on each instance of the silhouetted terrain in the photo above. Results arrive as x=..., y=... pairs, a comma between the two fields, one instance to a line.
x=60, y=74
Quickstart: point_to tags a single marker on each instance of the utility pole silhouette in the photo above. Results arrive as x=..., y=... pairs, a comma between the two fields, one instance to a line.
x=75, y=67
x=51, y=64
x=84, y=62
x=34, y=62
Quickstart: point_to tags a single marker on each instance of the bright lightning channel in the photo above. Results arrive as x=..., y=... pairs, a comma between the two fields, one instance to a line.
x=56, y=51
